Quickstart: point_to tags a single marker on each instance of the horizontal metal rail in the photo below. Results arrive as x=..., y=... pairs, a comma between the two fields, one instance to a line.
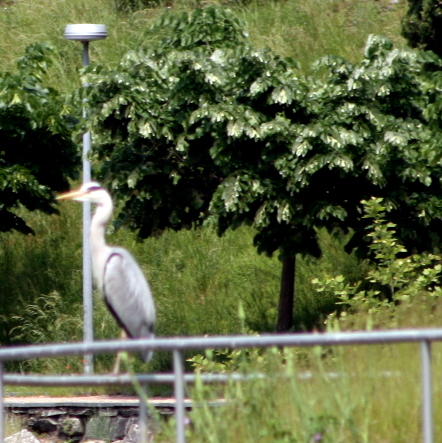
x=124, y=379
x=221, y=342
x=178, y=345
x=153, y=379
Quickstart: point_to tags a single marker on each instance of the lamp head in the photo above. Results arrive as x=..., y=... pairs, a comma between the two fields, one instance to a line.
x=85, y=32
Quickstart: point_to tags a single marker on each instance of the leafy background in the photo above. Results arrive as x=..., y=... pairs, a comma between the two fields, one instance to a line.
x=205, y=284
x=303, y=33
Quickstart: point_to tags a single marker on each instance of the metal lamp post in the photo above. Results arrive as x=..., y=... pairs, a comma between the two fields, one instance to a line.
x=86, y=33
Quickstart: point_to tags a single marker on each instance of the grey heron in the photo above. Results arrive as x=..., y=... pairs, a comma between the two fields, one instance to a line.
x=117, y=275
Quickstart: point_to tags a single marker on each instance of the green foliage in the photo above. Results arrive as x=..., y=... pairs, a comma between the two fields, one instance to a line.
x=422, y=25
x=229, y=360
x=307, y=30
x=403, y=275
x=128, y=6
x=139, y=110
x=38, y=155
x=175, y=114
x=304, y=29
x=44, y=321
x=313, y=395
x=395, y=277
x=369, y=135
x=48, y=319
x=203, y=127
x=40, y=287
x=206, y=28
x=221, y=129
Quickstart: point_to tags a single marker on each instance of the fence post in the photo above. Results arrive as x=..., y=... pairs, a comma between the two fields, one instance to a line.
x=178, y=368
x=143, y=416
x=427, y=406
x=2, y=409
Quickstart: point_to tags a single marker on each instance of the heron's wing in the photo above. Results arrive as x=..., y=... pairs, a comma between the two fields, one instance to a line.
x=128, y=295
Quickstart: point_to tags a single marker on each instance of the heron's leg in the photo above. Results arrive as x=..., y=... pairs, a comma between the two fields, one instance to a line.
x=120, y=354
x=141, y=389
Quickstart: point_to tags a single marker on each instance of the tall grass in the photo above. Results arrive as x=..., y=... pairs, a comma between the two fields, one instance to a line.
x=344, y=394
x=302, y=29
x=349, y=394
x=27, y=21
x=308, y=29
x=40, y=281
x=199, y=280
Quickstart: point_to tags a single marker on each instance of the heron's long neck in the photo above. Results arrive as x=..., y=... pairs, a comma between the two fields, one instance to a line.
x=102, y=215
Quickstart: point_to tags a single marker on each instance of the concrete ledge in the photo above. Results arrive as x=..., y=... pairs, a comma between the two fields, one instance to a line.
x=89, y=401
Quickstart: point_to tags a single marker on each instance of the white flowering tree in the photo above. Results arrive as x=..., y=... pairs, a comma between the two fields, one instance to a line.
x=203, y=127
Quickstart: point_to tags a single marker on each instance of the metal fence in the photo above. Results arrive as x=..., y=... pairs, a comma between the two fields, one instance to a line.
x=178, y=378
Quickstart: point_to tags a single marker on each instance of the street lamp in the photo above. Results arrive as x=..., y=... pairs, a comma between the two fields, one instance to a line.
x=85, y=33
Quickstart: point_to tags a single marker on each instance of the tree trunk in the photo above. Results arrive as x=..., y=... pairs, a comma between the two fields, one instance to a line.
x=286, y=295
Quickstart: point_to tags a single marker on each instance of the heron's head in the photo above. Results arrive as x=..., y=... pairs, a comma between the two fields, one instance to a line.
x=88, y=192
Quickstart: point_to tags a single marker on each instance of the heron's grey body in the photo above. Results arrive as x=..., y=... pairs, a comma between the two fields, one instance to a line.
x=120, y=273
x=117, y=275
x=135, y=311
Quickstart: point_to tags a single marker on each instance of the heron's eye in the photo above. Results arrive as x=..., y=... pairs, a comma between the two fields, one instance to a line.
x=94, y=188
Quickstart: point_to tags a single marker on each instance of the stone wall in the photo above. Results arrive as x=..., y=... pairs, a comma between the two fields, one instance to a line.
x=80, y=424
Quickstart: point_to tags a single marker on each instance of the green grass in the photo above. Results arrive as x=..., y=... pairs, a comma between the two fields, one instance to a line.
x=352, y=394
x=199, y=280
x=25, y=22
x=363, y=394
x=302, y=29
x=13, y=424
x=307, y=30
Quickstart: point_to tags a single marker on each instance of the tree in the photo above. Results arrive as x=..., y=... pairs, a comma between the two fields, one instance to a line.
x=37, y=155
x=206, y=128
x=422, y=25
x=366, y=130
x=376, y=133
x=164, y=118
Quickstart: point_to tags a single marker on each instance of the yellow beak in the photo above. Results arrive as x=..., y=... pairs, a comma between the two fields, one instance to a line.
x=71, y=195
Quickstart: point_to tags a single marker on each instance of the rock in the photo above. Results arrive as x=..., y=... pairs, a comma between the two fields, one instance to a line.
x=17, y=410
x=52, y=412
x=72, y=427
x=133, y=432
x=97, y=428
x=23, y=436
x=108, y=412
x=42, y=425
x=129, y=412
x=80, y=424
x=80, y=411
x=118, y=428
